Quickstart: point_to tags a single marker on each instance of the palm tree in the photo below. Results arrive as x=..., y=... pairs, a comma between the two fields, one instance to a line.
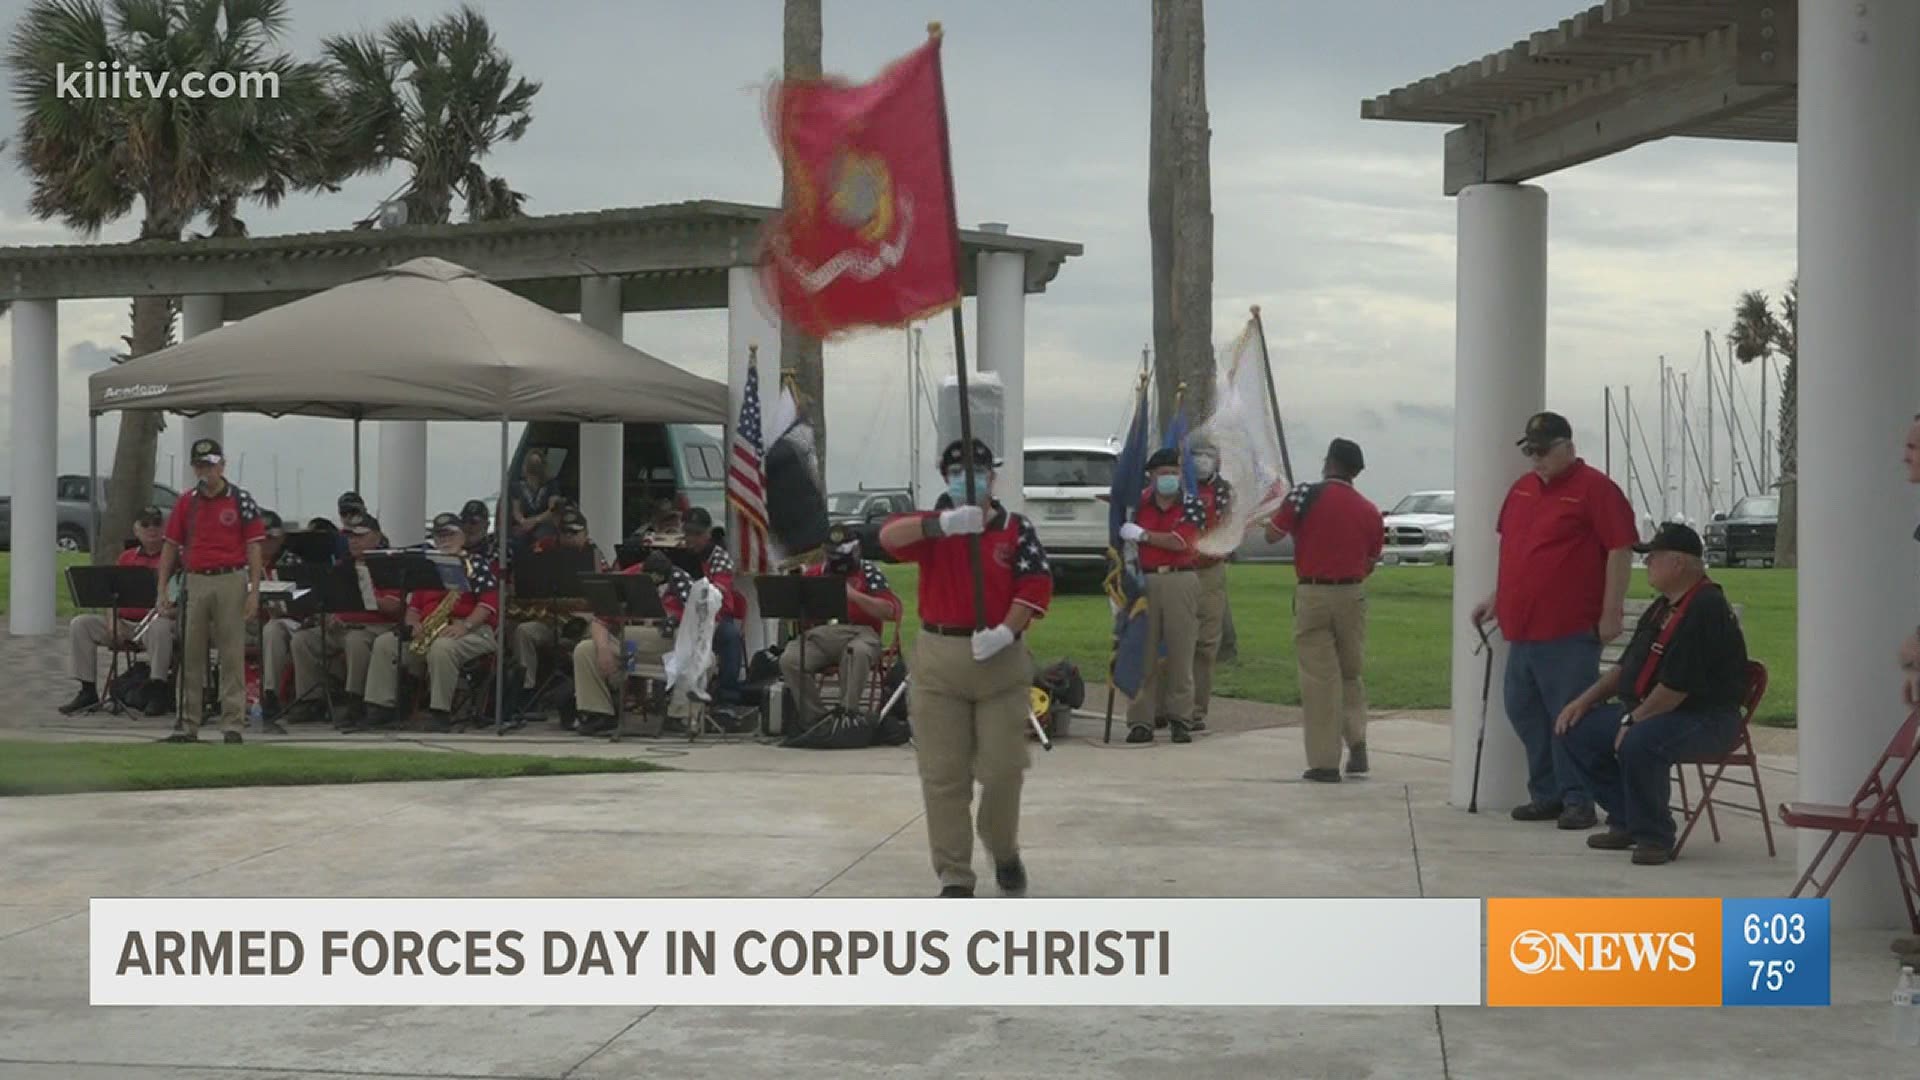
x=1758, y=333
x=438, y=98
x=96, y=160
x=1180, y=208
x=801, y=35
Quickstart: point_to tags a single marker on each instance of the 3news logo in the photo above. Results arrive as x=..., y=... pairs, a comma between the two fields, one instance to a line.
x=1660, y=952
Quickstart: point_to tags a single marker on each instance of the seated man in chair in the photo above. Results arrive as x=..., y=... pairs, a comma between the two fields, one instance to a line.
x=598, y=672
x=1679, y=687
x=461, y=628
x=88, y=632
x=852, y=646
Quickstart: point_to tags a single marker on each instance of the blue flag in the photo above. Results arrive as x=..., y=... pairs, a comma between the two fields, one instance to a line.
x=1126, y=589
x=1176, y=439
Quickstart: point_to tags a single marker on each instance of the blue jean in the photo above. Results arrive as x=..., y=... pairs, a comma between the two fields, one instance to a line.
x=1543, y=677
x=730, y=649
x=1631, y=784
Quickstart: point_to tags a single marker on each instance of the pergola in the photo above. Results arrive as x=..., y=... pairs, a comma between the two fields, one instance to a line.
x=1843, y=78
x=602, y=264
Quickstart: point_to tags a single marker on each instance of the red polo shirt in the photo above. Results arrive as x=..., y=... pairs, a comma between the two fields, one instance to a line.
x=868, y=580
x=1554, y=540
x=1184, y=517
x=1337, y=532
x=133, y=556
x=215, y=530
x=482, y=588
x=1012, y=561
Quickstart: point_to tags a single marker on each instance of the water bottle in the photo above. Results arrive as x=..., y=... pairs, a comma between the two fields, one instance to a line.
x=1904, y=1013
x=629, y=656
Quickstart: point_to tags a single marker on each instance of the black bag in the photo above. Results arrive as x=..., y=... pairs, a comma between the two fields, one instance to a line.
x=1062, y=682
x=836, y=730
x=129, y=688
x=763, y=667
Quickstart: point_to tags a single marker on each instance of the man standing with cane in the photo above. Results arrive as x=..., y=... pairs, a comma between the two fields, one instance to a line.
x=221, y=529
x=971, y=689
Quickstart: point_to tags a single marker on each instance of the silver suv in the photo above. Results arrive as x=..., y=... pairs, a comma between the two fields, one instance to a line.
x=1068, y=483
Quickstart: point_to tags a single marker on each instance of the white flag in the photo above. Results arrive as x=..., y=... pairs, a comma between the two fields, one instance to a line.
x=1242, y=430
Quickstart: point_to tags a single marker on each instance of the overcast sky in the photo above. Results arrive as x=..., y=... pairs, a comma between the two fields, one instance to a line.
x=1334, y=225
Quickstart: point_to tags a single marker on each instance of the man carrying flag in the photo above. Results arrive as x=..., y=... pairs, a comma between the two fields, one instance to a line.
x=1167, y=526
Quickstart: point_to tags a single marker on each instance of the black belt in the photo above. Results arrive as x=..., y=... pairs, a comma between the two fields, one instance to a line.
x=954, y=631
x=217, y=570
x=1331, y=581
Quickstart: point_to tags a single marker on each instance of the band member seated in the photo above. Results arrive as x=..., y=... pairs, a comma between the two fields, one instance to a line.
x=349, y=637
x=533, y=636
x=596, y=660
x=475, y=520
x=729, y=645
x=1676, y=694
x=852, y=646
x=90, y=632
x=443, y=630
x=351, y=508
x=277, y=629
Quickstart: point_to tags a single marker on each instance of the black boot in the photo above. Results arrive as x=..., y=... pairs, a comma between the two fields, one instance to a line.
x=1011, y=876
x=1180, y=734
x=269, y=705
x=1357, y=760
x=1139, y=734
x=438, y=720
x=956, y=892
x=87, y=698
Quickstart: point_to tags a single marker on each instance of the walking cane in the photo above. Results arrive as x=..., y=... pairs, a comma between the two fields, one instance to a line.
x=1486, y=692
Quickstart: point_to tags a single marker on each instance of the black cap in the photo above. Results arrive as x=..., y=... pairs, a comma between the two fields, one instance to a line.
x=474, y=511
x=1164, y=457
x=447, y=523
x=982, y=455
x=273, y=523
x=350, y=500
x=1673, y=536
x=697, y=520
x=657, y=565
x=206, y=452
x=151, y=515
x=367, y=523
x=1346, y=454
x=573, y=521
x=1543, y=428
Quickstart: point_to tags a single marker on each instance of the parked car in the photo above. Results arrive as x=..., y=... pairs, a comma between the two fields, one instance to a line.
x=1745, y=534
x=1419, y=529
x=1068, y=483
x=73, y=512
x=865, y=511
x=683, y=462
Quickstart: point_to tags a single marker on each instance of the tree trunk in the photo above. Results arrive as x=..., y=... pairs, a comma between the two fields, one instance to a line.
x=1786, y=537
x=135, y=453
x=799, y=353
x=1184, y=260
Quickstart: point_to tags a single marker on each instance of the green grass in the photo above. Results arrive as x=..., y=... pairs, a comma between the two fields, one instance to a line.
x=63, y=604
x=47, y=768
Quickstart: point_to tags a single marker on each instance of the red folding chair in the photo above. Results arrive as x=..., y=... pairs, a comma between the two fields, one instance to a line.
x=1742, y=755
x=1876, y=810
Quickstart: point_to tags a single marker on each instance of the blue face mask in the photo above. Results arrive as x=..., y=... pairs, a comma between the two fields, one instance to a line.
x=957, y=487
x=1167, y=485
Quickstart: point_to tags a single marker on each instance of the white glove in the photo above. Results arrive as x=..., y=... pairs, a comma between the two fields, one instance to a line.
x=987, y=643
x=962, y=521
x=1131, y=532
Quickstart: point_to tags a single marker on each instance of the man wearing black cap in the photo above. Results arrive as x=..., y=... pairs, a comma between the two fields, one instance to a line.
x=276, y=632
x=217, y=530
x=533, y=636
x=350, y=636
x=597, y=661
x=351, y=508
x=475, y=519
x=88, y=632
x=1337, y=535
x=852, y=646
x=729, y=644
x=1167, y=527
x=1566, y=534
x=1675, y=695
x=466, y=636
x=971, y=688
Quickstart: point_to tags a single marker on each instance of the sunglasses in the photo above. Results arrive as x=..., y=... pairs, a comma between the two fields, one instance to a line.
x=1541, y=450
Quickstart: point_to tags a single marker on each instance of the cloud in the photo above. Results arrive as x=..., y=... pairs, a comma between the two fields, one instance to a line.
x=1439, y=415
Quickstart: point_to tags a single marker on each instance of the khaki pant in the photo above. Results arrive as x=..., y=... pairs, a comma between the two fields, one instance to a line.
x=852, y=648
x=1173, y=617
x=970, y=724
x=592, y=693
x=527, y=641
x=444, y=659
x=351, y=642
x=89, y=633
x=1206, y=645
x=216, y=610
x=276, y=653
x=1330, y=641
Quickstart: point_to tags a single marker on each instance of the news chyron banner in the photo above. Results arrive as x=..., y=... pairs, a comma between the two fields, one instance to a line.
x=1180, y=952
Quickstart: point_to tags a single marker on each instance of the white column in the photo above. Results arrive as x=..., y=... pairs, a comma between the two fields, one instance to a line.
x=198, y=314
x=749, y=325
x=602, y=446
x=36, y=435
x=1499, y=379
x=1001, y=299
x=1859, y=118
x=403, y=481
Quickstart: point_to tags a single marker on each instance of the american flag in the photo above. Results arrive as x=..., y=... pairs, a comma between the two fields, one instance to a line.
x=747, y=481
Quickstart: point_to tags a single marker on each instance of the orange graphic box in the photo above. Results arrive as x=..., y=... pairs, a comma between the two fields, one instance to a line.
x=1603, y=951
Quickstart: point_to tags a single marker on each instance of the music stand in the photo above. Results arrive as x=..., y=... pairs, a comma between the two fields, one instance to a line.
x=409, y=570
x=621, y=597
x=634, y=552
x=808, y=601
x=327, y=589
x=112, y=588
x=313, y=546
x=550, y=575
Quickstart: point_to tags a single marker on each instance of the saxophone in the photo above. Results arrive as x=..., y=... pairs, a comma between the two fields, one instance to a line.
x=433, y=624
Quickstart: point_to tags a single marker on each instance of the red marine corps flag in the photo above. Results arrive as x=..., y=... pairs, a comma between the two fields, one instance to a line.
x=868, y=236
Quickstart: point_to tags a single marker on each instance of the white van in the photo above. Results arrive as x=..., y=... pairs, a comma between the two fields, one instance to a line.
x=1068, y=484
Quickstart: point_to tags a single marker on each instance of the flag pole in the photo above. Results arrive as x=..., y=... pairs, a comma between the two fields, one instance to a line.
x=1273, y=397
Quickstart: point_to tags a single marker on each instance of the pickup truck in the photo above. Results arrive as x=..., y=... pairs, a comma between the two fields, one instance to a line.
x=865, y=511
x=73, y=513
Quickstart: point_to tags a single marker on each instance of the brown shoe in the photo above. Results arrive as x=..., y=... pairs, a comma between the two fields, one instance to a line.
x=1908, y=945
x=1645, y=854
x=1611, y=840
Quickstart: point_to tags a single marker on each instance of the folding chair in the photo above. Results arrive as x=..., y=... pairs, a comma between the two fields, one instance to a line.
x=1876, y=810
x=873, y=695
x=1742, y=755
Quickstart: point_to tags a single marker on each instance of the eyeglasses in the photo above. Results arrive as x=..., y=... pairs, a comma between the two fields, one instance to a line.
x=1537, y=450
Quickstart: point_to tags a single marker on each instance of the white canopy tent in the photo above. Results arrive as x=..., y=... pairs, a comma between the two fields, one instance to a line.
x=424, y=340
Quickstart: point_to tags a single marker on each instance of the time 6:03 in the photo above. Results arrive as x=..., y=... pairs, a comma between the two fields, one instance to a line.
x=1779, y=929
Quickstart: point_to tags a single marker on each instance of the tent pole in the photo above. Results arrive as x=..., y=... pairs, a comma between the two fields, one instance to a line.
x=93, y=487
x=356, y=453
x=500, y=616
